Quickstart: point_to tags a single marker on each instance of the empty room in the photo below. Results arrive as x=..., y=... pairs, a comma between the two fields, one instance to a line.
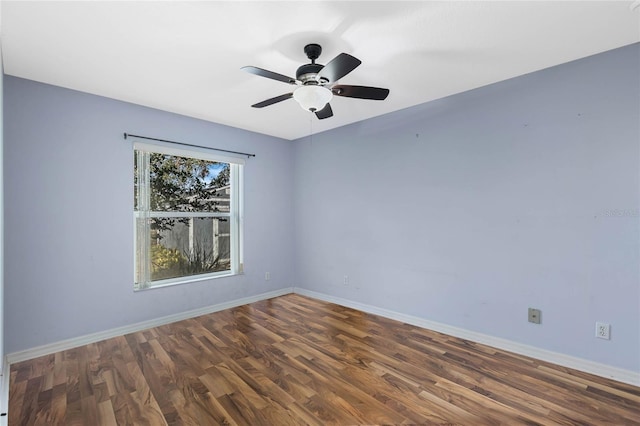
x=320, y=213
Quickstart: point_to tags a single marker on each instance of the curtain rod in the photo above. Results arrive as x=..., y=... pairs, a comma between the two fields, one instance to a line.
x=126, y=135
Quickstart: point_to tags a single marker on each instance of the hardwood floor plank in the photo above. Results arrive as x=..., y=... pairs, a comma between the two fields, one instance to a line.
x=16, y=400
x=446, y=411
x=89, y=410
x=236, y=403
x=349, y=399
x=120, y=404
x=43, y=409
x=74, y=415
x=268, y=382
x=628, y=395
x=58, y=404
x=30, y=400
x=294, y=360
x=247, y=389
x=145, y=404
x=106, y=414
x=157, y=378
x=214, y=393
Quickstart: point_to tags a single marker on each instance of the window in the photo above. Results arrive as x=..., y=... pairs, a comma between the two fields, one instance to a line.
x=187, y=214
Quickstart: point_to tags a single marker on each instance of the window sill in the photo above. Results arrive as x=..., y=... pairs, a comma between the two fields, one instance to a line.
x=186, y=280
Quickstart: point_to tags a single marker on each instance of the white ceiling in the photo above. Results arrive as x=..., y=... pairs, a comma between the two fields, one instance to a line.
x=185, y=57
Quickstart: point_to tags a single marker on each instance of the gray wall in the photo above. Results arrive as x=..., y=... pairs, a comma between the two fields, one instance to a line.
x=468, y=210
x=69, y=214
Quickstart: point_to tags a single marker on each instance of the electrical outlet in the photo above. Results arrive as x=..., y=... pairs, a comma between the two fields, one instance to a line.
x=267, y=276
x=535, y=316
x=603, y=330
x=345, y=280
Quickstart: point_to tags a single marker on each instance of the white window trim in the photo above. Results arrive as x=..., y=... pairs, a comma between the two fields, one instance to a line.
x=235, y=215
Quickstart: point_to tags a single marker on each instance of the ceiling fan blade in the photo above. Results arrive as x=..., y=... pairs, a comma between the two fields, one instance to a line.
x=339, y=66
x=325, y=112
x=361, y=92
x=273, y=100
x=269, y=74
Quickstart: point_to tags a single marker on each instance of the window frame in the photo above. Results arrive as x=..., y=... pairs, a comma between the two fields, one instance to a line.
x=143, y=281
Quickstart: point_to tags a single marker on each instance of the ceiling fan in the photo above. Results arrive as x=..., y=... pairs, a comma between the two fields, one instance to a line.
x=316, y=83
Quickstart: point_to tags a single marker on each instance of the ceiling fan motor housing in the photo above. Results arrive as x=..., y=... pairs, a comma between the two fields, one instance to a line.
x=307, y=73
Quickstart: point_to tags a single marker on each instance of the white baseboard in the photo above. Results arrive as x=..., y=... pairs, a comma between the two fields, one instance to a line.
x=114, y=332
x=598, y=369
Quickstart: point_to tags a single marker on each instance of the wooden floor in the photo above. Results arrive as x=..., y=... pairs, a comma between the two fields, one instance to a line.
x=294, y=360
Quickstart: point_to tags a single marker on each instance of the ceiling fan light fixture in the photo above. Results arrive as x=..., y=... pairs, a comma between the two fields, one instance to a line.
x=312, y=97
x=315, y=83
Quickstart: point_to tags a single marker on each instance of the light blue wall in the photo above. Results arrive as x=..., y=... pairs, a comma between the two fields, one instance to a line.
x=463, y=211
x=468, y=210
x=69, y=214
